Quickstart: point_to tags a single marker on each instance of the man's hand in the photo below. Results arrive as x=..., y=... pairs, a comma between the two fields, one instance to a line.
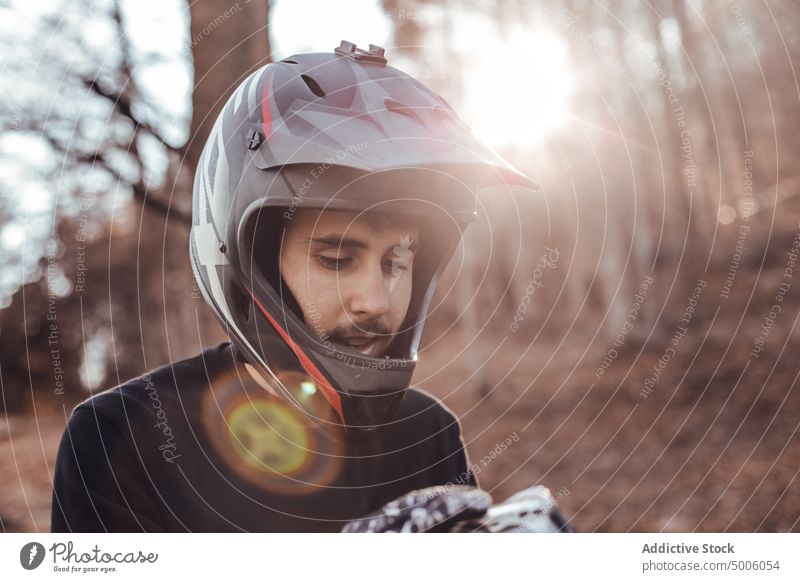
x=425, y=510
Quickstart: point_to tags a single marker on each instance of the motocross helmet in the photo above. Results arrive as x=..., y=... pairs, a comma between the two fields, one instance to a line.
x=339, y=131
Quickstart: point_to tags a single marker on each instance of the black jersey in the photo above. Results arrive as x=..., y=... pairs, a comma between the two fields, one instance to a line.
x=198, y=446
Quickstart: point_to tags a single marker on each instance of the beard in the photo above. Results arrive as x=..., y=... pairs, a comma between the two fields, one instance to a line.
x=372, y=326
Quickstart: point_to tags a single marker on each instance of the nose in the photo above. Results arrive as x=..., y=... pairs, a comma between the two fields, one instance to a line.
x=369, y=294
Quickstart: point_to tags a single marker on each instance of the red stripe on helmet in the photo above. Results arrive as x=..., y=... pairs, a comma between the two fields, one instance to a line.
x=265, y=112
x=328, y=391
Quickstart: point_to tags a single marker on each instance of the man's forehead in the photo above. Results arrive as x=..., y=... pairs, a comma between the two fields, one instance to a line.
x=339, y=222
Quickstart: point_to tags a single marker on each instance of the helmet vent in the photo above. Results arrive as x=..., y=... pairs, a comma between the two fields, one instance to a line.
x=397, y=107
x=313, y=86
x=289, y=61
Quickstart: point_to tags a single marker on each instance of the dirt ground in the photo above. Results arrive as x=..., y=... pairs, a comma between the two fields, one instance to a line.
x=713, y=446
x=28, y=448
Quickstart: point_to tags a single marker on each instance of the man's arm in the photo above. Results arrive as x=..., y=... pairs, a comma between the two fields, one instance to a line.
x=455, y=443
x=99, y=484
x=452, y=464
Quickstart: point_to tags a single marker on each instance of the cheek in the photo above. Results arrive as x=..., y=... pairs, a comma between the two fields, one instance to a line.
x=324, y=294
x=400, y=298
x=316, y=291
x=294, y=270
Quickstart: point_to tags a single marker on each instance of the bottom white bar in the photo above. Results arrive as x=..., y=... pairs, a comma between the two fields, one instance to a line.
x=330, y=557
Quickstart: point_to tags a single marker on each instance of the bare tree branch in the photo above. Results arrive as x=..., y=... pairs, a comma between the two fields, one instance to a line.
x=122, y=104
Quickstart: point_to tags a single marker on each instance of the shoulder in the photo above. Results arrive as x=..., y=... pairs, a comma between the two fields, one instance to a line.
x=418, y=401
x=162, y=386
x=423, y=413
x=144, y=417
x=428, y=435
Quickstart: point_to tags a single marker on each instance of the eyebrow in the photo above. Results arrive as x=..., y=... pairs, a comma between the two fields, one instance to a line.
x=337, y=241
x=334, y=240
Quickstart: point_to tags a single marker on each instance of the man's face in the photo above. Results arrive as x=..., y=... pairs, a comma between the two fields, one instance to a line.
x=351, y=275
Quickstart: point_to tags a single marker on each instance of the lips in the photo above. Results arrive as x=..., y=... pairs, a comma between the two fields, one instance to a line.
x=364, y=344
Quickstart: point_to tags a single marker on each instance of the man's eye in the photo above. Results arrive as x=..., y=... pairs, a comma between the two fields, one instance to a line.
x=334, y=263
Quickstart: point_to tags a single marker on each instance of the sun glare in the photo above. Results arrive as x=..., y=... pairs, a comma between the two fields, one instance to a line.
x=518, y=89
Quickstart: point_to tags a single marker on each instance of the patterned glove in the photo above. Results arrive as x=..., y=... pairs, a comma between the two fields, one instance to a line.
x=532, y=510
x=425, y=510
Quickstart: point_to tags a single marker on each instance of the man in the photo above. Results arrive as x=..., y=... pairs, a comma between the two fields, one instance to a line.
x=330, y=195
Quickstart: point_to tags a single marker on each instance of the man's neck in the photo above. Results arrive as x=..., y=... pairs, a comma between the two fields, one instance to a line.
x=260, y=380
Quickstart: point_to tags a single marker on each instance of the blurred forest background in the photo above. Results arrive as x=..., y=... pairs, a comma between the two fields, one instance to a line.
x=633, y=323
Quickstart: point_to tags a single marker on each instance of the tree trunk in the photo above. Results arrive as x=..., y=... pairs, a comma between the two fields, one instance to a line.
x=229, y=40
